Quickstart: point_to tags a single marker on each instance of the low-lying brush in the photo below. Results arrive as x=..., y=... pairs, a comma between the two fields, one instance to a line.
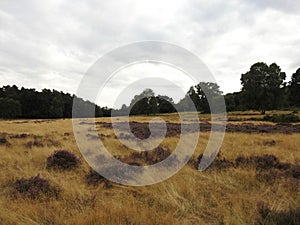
x=35, y=188
x=219, y=163
x=39, y=141
x=148, y=157
x=269, y=168
x=270, y=216
x=266, y=161
x=19, y=136
x=269, y=176
x=4, y=141
x=269, y=143
x=62, y=159
x=282, y=118
x=94, y=178
x=34, y=143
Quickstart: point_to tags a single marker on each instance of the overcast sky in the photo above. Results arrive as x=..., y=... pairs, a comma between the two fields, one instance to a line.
x=52, y=43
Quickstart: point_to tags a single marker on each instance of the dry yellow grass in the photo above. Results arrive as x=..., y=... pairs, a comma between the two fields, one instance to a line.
x=189, y=197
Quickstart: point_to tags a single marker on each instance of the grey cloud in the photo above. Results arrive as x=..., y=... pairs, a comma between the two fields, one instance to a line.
x=64, y=38
x=287, y=6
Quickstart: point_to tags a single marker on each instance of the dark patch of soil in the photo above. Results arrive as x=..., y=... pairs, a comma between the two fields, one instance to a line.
x=141, y=130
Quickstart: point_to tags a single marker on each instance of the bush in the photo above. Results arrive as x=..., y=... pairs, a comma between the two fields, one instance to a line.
x=274, y=168
x=294, y=171
x=35, y=143
x=269, y=176
x=150, y=157
x=35, y=187
x=62, y=159
x=3, y=141
x=219, y=163
x=270, y=216
x=10, y=108
x=282, y=118
x=22, y=135
x=266, y=161
x=94, y=178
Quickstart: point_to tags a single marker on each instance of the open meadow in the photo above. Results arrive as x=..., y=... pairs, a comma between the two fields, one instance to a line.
x=253, y=180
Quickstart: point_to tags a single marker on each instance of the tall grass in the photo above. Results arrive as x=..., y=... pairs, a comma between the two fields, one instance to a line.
x=228, y=196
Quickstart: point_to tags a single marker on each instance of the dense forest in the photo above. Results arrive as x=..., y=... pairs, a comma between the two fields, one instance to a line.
x=29, y=103
x=263, y=88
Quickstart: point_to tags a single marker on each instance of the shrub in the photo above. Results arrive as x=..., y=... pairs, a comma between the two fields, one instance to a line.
x=275, y=168
x=3, y=141
x=266, y=161
x=269, y=143
x=219, y=163
x=282, y=118
x=35, y=187
x=293, y=171
x=23, y=135
x=150, y=157
x=62, y=159
x=270, y=216
x=35, y=143
x=269, y=176
x=94, y=178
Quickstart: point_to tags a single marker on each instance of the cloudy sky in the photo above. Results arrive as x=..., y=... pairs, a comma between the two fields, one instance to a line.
x=52, y=43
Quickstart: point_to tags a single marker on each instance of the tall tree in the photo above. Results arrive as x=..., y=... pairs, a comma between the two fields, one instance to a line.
x=165, y=104
x=295, y=89
x=190, y=102
x=199, y=95
x=144, y=103
x=9, y=108
x=207, y=91
x=262, y=86
x=235, y=101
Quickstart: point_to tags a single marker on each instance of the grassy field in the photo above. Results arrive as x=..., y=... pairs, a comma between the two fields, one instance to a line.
x=231, y=191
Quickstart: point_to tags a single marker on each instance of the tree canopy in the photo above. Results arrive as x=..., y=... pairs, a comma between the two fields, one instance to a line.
x=262, y=85
x=31, y=104
x=295, y=89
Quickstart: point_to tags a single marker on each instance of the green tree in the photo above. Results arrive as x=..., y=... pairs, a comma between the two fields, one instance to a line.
x=144, y=103
x=235, y=101
x=9, y=108
x=198, y=95
x=190, y=102
x=56, y=107
x=165, y=104
x=295, y=89
x=207, y=91
x=262, y=86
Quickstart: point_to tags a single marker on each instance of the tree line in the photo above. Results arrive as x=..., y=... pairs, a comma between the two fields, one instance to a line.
x=263, y=88
x=32, y=104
